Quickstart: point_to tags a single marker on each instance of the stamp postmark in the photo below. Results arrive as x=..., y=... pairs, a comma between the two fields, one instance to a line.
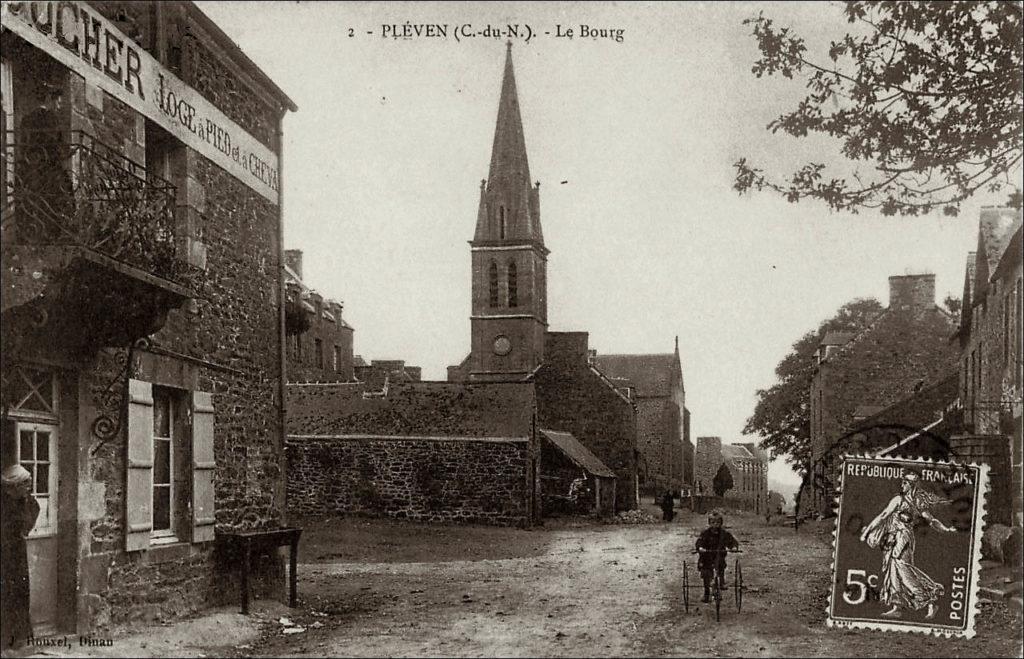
x=908, y=545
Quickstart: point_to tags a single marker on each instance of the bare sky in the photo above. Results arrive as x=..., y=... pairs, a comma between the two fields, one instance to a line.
x=633, y=144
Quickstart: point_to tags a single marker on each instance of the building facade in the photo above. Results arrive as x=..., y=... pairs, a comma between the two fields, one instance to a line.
x=319, y=339
x=906, y=348
x=991, y=361
x=748, y=465
x=142, y=305
x=655, y=384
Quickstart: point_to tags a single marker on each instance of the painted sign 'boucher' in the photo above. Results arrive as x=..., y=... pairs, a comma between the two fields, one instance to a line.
x=88, y=44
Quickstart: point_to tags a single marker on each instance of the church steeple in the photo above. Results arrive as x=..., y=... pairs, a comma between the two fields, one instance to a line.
x=510, y=307
x=509, y=202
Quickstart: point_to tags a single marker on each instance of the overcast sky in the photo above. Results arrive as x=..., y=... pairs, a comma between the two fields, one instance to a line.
x=633, y=144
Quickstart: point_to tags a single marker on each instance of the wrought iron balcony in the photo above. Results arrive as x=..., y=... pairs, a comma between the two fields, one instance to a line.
x=65, y=188
x=90, y=255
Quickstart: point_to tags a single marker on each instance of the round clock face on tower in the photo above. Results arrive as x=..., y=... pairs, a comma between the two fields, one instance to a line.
x=502, y=346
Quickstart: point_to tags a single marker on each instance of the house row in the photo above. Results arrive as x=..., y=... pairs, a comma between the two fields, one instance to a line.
x=922, y=381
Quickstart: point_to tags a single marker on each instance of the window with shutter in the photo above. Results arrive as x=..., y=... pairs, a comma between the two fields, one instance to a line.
x=203, y=467
x=139, y=485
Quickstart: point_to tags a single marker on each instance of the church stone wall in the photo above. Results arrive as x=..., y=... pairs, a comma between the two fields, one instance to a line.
x=427, y=480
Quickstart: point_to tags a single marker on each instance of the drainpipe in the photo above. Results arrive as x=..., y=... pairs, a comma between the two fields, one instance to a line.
x=282, y=346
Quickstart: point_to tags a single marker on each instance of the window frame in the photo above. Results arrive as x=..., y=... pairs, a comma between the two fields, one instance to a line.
x=173, y=441
x=47, y=528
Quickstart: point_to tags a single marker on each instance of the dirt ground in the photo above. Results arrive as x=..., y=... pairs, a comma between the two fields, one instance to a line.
x=372, y=588
x=380, y=588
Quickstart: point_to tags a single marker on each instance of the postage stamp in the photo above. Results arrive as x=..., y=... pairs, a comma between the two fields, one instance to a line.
x=908, y=545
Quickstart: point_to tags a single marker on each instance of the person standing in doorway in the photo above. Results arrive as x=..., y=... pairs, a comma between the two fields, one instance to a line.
x=20, y=510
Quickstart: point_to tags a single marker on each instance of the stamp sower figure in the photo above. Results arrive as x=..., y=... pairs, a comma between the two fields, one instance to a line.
x=712, y=545
x=666, y=507
x=903, y=583
x=19, y=510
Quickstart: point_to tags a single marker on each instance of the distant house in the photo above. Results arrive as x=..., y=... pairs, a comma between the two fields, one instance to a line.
x=319, y=339
x=749, y=467
x=904, y=350
x=655, y=383
x=991, y=361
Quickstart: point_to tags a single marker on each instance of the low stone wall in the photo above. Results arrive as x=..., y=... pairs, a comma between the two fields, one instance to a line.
x=468, y=481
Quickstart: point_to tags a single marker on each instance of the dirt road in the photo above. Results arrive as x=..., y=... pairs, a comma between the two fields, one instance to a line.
x=592, y=590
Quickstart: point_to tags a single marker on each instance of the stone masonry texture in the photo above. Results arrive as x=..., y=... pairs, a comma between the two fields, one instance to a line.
x=428, y=451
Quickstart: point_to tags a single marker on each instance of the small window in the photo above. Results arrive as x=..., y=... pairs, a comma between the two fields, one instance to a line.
x=337, y=359
x=493, y=284
x=318, y=348
x=513, y=285
x=501, y=222
x=160, y=148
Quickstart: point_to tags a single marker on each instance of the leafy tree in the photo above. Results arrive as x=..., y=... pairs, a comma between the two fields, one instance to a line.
x=928, y=93
x=722, y=482
x=782, y=415
x=953, y=305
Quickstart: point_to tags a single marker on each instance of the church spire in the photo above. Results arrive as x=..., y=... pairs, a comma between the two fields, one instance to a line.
x=510, y=202
x=508, y=154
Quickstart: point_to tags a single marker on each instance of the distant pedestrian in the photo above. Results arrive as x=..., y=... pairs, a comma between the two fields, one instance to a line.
x=667, y=505
x=20, y=510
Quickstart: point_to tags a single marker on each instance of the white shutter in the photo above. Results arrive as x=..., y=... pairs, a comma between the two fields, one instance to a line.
x=139, y=487
x=203, y=467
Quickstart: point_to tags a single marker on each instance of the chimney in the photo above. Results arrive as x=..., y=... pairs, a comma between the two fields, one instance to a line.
x=293, y=259
x=914, y=293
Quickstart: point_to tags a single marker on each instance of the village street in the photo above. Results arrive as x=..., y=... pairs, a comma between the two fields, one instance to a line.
x=371, y=588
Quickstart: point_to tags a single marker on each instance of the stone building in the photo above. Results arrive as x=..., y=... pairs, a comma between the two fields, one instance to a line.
x=319, y=339
x=655, y=384
x=905, y=349
x=707, y=459
x=142, y=304
x=509, y=335
x=748, y=465
x=916, y=426
x=990, y=371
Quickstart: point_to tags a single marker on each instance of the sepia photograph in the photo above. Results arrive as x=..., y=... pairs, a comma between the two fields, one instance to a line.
x=511, y=329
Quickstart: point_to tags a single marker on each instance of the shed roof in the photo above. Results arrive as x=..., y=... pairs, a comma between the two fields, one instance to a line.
x=578, y=453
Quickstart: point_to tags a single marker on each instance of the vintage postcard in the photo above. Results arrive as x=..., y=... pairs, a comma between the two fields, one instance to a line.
x=907, y=546
x=511, y=328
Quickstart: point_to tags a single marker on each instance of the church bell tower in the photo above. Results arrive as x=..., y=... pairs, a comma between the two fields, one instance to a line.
x=510, y=306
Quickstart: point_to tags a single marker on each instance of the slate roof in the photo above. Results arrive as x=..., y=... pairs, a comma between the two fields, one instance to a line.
x=578, y=453
x=736, y=452
x=650, y=375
